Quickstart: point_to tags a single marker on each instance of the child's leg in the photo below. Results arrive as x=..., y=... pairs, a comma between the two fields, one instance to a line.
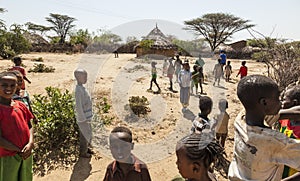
x=154, y=80
x=26, y=169
x=192, y=86
x=151, y=84
x=200, y=85
x=10, y=167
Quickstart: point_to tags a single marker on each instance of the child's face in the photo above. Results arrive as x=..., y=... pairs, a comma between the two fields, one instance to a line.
x=82, y=78
x=185, y=165
x=273, y=104
x=120, y=147
x=8, y=86
x=287, y=102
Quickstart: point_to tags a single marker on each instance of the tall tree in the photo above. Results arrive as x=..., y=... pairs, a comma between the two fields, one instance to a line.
x=62, y=24
x=216, y=28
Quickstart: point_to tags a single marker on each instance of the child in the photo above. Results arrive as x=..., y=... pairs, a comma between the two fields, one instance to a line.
x=84, y=114
x=196, y=154
x=18, y=61
x=202, y=122
x=291, y=125
x=171, y=70
x=16, y=138
x=222, y=122
x=195, y=78
x=260, y=153
x=165, y=68
x=22, y=95
x=184, y=80
x=201, y=79
x=228, y=71
x=126, y=166
x=218, y=72
x=243, y=70
x=154, y=76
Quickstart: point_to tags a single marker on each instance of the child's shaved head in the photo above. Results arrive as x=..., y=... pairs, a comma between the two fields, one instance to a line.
x=254, y=87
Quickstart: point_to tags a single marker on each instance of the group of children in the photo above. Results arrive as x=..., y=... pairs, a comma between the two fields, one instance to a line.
x=260, y=152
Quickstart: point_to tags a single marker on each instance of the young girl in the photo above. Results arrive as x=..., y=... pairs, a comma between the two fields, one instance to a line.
x=218, y=71
x=170, y=73
x=197, y=154
x=243, y=70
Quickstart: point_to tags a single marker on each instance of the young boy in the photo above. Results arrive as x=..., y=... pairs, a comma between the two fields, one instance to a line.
x=202, y=122
x=126, y=166
x=260, y=153
x=222, y=119
x=18, y=61
x=16, y=133
x=84, y=114
x=243, y=70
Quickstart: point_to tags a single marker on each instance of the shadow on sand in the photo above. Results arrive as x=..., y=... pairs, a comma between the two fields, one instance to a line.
x=187, y=114
x=81, y=170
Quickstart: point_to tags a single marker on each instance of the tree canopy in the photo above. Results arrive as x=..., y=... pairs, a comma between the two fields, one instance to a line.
x=62, y=24
x=216, y=28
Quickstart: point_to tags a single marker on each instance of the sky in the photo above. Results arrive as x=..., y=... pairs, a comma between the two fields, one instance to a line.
x=275, y=18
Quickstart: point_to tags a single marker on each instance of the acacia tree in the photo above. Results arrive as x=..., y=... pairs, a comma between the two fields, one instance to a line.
x=37, y=28
x=216, y=28
x=2, y=24
x=62, y=24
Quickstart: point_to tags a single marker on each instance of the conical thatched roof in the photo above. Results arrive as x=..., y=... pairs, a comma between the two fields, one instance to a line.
x=35, y=39
x=160, y=41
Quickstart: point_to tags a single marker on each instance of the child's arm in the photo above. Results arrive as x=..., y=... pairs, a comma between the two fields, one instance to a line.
x=25, y=78
x=291, y=113
x=26, y=151
x=8, y=145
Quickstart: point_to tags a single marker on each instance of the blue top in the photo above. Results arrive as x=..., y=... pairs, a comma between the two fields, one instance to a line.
x=223, y=58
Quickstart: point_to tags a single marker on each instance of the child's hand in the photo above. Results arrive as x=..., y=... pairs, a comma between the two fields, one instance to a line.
x=26, y=151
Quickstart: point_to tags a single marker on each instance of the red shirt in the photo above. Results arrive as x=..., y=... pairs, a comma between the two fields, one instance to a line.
x=137, y=172
x=23, y=72
x=243, y=71
x=14, y=126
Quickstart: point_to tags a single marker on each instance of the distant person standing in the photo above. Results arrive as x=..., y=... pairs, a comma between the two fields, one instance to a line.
x=243, y=70
x=218, y=72
x=228, y=71
x=116, y=54
x=184, y=80
x=223, y=57
x=178, y=64
x=170, y=73
x=200, y=62
x=165, y=67
x=153, y=77
x=18, y=61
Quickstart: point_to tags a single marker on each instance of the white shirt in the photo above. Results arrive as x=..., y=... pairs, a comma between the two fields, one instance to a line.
x=261, y=153
x=83, y=106
x=184, y=78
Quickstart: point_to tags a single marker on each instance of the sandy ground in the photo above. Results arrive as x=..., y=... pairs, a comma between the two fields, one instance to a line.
x=117, y=79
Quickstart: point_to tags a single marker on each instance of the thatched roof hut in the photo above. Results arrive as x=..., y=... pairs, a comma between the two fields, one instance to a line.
x=156, y=43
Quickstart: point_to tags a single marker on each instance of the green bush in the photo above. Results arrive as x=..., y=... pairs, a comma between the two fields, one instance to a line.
x=56, y=133
x=41, y=68
x=102, y=111
x=139, y=105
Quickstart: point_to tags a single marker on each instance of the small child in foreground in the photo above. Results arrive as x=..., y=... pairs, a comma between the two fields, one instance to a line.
x=126, y=166
x=197, y=154
x=260, y=153
x=84, y=113
x=16, y=133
